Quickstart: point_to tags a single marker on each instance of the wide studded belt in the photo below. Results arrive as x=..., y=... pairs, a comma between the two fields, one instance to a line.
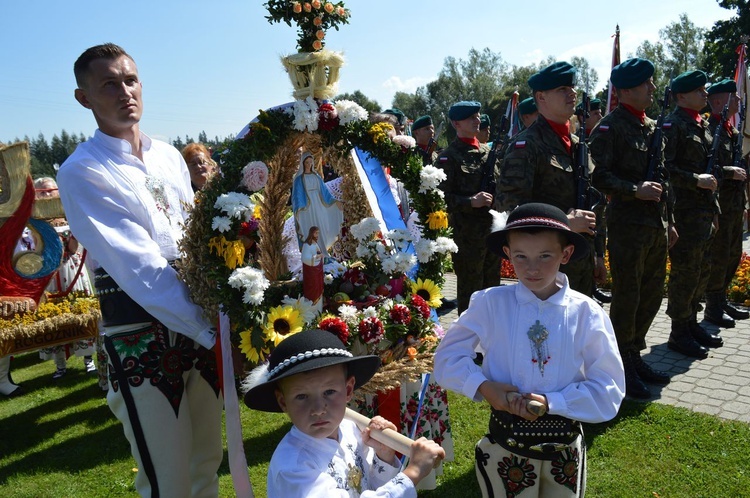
x=543, y=438
x=117, y=307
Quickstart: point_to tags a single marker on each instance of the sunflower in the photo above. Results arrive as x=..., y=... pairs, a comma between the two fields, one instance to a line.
x=282, y=322
x=252, y=354
x=427, y=290
x=437, y=220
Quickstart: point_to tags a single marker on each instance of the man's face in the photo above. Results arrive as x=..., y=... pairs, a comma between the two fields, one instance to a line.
x=557, y=104
x=641, y=96
x=528, y=119
x=424, y=134
x=112, y=91
x=484, y=135
x=593, y=119
x=719, y=100
x=695, y=100
x=467, y=128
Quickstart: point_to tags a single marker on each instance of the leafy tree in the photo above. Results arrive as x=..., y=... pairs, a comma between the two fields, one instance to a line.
x=722, y=39
x=202, y=138
x=361, y=99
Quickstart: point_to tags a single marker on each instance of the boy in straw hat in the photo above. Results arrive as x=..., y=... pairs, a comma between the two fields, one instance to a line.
x=311, y=377
x=550, y=361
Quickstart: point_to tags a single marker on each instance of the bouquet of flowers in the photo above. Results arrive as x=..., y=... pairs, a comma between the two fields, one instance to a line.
x=313, y=18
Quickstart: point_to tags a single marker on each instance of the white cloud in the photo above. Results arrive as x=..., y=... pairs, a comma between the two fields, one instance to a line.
x=409, y=85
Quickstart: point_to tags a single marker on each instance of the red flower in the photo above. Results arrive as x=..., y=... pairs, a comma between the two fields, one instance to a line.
x=400, y=314
x=336, y=326
x=328, y=117
x=248, y=227
x=421, y=305
x=371, y=330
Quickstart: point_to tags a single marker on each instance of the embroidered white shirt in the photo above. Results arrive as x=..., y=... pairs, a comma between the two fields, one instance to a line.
x=128, y=214
x=583, y=378
x=323, y=468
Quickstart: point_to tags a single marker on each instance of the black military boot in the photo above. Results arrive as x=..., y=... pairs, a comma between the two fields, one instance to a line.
x=634, y=386
x=646, y=372
x=715, y=313
x=732, y=310
x=681, y=340
x=704, y=337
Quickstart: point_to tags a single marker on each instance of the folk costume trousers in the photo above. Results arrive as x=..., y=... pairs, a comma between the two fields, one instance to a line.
x=501, y=472
x=164, y=389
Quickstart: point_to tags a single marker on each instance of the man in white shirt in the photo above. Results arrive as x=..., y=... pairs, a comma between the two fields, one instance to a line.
x=125, y=197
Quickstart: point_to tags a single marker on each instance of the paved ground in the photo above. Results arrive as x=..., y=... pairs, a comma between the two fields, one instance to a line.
x=718, y=385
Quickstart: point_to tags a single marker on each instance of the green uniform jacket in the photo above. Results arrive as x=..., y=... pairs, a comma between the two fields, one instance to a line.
x=731, y=192
x=619, y=146
x=537, y=168
x=686, y=157
x=464, y=167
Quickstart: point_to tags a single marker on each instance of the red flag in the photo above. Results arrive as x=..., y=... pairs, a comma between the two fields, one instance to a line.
x=611, y=95
x=511, y=113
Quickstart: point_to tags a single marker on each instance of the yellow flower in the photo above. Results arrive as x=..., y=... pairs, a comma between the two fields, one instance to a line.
x=427, y=290
x=256, y=212
x=379, y=132
x=437, y=220
x=246, y=346
x=282, y=322
x=233, y=251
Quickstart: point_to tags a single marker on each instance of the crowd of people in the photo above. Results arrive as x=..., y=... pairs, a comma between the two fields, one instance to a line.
x=543, y=353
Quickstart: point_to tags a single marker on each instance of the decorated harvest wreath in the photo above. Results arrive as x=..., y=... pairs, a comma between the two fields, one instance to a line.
x=234, y=239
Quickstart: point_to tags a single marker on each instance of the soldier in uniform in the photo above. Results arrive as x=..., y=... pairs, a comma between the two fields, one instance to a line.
x=484, y=130
x=594, y=116
x=726, y=249
x=423, y=132
x=539, y=164
x=640, y=222
x=401, y=120
x=468, y=197
x=527, y=112
x=695, y=213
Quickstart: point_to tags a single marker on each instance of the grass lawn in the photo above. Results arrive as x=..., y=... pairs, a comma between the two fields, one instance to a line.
x=60, y=439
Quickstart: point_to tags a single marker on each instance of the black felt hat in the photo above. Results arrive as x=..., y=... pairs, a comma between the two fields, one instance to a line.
x=535, y=215
x=302, y=352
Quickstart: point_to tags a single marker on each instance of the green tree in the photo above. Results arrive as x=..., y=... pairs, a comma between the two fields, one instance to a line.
x=724, y=37
x=202, y=137
x=361, y=99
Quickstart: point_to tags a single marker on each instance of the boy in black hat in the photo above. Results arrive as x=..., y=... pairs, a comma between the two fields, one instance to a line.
x=545, y=346
x=311, y=377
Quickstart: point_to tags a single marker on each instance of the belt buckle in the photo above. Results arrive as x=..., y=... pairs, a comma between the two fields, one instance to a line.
x=548, y=447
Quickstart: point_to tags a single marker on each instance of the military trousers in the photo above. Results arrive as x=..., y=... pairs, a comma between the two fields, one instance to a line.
x=638, y=265
x=580, y=273
x=476, y=267
x=726, y=252
x=690, y=262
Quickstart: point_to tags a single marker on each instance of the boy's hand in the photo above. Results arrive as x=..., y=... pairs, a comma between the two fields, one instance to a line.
x=425, y=456
x=385, y=453
x=529, y=406
x=496, y=394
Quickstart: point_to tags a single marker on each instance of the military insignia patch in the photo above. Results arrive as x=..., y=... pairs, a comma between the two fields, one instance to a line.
x=667, y=126
x=604, y=128
x=443, y=159
x=520, y=144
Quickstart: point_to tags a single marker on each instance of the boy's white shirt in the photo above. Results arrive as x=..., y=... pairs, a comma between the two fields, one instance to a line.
x=583, y=379
x=303, y=465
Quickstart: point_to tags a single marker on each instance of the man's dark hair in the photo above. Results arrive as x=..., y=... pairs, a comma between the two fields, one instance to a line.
x=105, y=51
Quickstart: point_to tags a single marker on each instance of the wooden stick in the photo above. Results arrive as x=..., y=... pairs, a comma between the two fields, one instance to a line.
x=532, y=405
x=389, y=437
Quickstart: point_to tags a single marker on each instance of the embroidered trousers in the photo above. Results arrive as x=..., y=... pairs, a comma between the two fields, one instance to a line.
x=164, y=390
x=503, y=473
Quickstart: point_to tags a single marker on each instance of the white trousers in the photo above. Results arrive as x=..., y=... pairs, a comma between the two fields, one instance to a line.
x=170, y=412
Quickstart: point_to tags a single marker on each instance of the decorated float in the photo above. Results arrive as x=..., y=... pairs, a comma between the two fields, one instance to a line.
x=30, y=253
x=376, y=285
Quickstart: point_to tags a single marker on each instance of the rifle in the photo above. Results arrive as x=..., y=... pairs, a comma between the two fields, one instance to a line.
x=587, y=196
x=654, y=149
x=488, y=172
x=711, y=167
x=433, y=143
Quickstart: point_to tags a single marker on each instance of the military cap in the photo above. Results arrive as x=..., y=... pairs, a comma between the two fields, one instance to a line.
x=484, y=121
x=723, y=86
x=464, y=109
x=527, y=106
x=631, y=73
x=689, y=81
x=421, y=122
x=553, y=76
x=400, y=116
x=594, y=105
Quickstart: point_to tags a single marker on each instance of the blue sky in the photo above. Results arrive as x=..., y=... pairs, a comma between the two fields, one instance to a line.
x=210, y=65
